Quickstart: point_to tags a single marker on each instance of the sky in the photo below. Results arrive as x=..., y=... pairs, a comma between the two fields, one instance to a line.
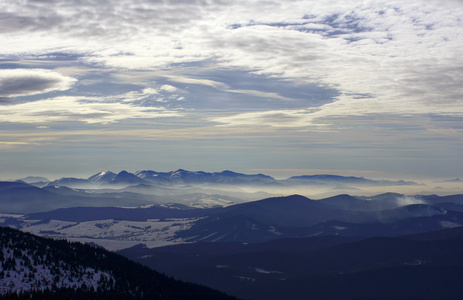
x=362, y=88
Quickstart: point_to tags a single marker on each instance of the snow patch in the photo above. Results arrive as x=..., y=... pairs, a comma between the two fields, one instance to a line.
x=111, y=234
x=263, y=271
x=339, y=227
x=244, y=278
x=448, y=224
x=274, y=231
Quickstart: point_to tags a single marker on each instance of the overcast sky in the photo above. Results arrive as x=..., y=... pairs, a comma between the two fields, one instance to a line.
x=369, y=88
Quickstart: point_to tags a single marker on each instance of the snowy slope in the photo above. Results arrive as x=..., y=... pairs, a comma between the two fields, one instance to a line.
x=56, y=269
x=27, y=263
x=111, y=234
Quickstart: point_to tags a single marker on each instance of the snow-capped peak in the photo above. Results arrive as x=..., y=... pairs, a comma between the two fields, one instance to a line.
x=102, y=177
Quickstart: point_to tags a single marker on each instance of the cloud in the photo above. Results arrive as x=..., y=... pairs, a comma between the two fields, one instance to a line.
x=351, y=84
x=188, y=80
x=406, y=200
x=336, y=113
x=118, y=133
x=404, y=54
x=26, y=82
x=90, y=110
x=275, y=118
x=393, y=52
x=133, y=96
x=168, y=88
x=259, y=94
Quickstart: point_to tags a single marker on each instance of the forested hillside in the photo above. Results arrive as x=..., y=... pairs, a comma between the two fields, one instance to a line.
x=40, y=267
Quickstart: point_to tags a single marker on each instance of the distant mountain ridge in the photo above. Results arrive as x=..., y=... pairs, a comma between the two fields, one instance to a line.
x=34, y=179
x=182, y=176
x=226, y=177
x=257, y=221
x=345, y=179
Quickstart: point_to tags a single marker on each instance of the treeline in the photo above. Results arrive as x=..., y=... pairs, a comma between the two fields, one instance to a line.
x=127, y=280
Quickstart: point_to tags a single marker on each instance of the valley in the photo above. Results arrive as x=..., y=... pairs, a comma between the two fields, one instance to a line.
x=205, y=228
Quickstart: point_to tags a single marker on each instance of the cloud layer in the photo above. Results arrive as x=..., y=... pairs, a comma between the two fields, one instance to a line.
x=86, y=109
x=318, y=81
x=383, y=57
x=26, y=82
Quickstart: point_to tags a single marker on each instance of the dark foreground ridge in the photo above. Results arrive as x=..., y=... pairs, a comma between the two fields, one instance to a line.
x=422, y=266
x=33, y=267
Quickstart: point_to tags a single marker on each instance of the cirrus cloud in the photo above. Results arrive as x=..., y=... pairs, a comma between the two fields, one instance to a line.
x=402, y=54
x=90, y=110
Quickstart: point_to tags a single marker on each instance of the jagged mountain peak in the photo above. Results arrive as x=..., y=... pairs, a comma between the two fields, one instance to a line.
x=183, y=172
x=125, y=173
x=227, y=173
x=127, y=178
x=104, y=176
x=108, y=177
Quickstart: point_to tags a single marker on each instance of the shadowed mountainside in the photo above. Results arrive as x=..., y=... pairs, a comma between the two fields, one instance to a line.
x=425, y=266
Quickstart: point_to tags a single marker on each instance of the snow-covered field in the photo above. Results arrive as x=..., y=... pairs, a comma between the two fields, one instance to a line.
x=111, y=234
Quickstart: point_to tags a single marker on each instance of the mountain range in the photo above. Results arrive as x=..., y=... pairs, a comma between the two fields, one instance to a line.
x=195, y=189
x=181, y=176
x=251, y=222
x=208, y=228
